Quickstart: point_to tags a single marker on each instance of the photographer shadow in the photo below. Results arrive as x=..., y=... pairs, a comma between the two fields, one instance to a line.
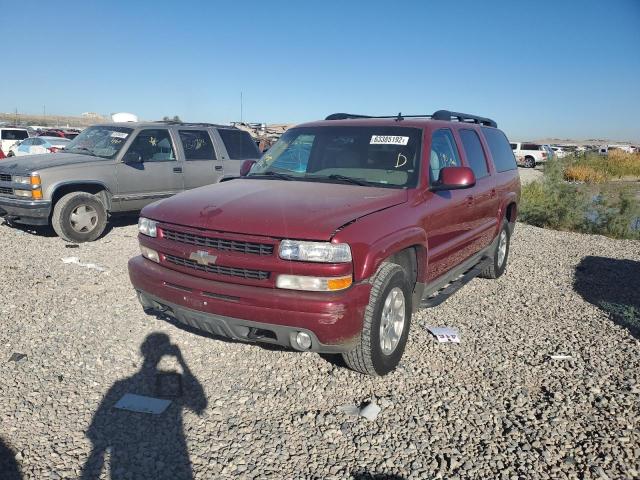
x=141, y=445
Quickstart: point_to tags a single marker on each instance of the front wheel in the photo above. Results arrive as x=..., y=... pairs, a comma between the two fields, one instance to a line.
x=386, y=323
x=79, y=217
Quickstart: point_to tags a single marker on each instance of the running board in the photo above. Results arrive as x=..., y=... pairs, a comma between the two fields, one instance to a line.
x=440, y=296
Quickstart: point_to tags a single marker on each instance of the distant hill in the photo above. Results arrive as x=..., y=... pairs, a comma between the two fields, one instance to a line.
x=51, y=120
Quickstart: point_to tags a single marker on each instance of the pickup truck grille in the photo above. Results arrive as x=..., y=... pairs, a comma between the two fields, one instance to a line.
x=4, y=177
x=6, y=191
x=219, y=243
x=218, y=269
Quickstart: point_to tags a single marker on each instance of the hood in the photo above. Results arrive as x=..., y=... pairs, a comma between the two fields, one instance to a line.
x=274, y=208
x=32, y=163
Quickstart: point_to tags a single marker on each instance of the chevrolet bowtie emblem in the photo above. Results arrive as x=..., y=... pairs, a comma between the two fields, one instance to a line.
x=203, y=258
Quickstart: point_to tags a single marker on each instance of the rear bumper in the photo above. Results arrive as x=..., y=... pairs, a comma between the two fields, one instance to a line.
x=246, y=313
x=29, y=212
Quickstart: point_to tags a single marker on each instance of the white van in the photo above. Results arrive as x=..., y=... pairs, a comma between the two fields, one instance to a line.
x=11, y=135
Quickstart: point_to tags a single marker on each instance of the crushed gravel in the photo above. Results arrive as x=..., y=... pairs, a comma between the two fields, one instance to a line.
x=495, y=405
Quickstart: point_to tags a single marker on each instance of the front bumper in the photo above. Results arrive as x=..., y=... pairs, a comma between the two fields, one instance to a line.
x=30, y=212
x=247, y=313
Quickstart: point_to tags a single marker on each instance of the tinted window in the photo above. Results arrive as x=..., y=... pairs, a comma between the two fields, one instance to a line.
x=513, y=146
x=239, y=144
x=14, y=134
x=443, y=153
x=382, y=156
x=153, y=146
x=501, y=152
x=37, y=141
x=197, y=145
x=475, y=154
x=530, y=146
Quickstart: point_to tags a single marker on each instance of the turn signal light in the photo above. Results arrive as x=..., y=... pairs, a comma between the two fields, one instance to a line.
x=36, y=194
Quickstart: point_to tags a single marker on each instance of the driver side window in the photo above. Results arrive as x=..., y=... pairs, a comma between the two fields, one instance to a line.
x=443, y=153
x=152, y=145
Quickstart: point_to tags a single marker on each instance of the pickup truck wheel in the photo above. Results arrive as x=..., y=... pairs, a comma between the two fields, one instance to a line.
x=79, y=217
x=499, y=262
x=530, y=162
x=386, y=323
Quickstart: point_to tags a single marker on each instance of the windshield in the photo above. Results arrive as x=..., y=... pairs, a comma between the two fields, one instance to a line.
x=102, y=141
x=379, y=156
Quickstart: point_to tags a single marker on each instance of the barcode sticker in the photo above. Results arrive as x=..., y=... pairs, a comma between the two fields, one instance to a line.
x=388, y=140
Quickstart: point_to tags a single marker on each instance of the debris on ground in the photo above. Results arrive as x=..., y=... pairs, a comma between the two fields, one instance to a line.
x=18, y=357
x=368, y=410
x=560, y=357
x=142, y=404
x=90, y=266
x=445, y=334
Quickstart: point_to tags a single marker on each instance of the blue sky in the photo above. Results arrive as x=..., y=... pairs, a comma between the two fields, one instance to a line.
x=568, y=69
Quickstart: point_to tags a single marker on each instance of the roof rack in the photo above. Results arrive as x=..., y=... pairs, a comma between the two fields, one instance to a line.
x=445, y=115
x=193, y=124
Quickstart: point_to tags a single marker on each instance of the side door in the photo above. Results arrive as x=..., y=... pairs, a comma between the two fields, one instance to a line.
x=447, y=221
x=484, y=208
x=201, y=165
x=236, y=146
x=148, y=170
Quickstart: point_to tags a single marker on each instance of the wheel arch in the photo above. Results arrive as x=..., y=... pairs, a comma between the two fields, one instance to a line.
x=93, y=187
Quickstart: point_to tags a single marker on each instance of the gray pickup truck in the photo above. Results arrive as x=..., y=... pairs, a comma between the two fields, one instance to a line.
x=117, y=167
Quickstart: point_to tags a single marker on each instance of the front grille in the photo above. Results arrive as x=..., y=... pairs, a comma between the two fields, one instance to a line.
x=4, y=177
x=218, y=269
x=219, y=243
x=6, y=191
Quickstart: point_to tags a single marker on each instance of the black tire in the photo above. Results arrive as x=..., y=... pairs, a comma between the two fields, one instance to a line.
x=368, y=357
x=10, y=153
x=530, y=162
x=79, y=232
x=496, y=269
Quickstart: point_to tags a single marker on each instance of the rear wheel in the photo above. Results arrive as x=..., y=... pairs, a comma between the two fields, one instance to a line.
x=79, y=217
x=386, y=323
x=499, y=261
x=530, y=162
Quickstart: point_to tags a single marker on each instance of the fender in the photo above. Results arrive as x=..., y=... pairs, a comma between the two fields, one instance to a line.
x=509, y=198
x=51, y=191
x=368, y=258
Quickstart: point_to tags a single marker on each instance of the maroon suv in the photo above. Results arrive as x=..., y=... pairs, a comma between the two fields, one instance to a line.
x=339, y=233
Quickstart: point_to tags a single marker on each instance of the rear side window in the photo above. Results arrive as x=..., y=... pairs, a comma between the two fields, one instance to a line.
x=501, y=152
x=14, y=134
x=239, y=144
x=530, y=146
x=475, y=154
x=197, y=145
x=443, y=153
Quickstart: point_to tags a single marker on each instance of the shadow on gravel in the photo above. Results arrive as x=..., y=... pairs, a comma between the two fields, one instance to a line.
x=9, y=469
x=39, y=230
x=611, y=285
x=375, y=476
x=141, y=445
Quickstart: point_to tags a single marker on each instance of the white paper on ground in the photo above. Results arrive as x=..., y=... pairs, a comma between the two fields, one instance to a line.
x=445, y=334
x=91, y=266
x=142, y=404
x=560, y=357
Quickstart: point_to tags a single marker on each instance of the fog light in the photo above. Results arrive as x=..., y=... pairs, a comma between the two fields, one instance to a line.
x=303, y=340
x=150, y=254
x=22, y=193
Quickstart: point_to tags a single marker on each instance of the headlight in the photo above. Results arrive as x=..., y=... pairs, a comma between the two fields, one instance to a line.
x=147, y=227
x=324, y=252
x=150, y=254
x=22, y=193
x=22, y=180
x=313, y=284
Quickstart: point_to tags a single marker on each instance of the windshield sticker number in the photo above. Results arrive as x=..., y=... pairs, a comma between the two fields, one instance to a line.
x=388, y=140
x=119, y=135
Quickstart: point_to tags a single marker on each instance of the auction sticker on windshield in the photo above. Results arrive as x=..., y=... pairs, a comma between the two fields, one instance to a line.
x=119, y=135
x=388, y=140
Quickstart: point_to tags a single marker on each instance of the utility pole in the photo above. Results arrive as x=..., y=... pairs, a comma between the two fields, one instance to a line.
x=16, y=117
x=240, y=106
x=44, y=110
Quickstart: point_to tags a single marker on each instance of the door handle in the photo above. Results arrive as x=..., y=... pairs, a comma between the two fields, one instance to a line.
x=177, y=169
x=470, y=200
x=218, y=167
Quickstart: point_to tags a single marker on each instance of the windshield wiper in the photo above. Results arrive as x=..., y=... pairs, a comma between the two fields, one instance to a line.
x=271, y=173
x=84, y=149
x=342, y=178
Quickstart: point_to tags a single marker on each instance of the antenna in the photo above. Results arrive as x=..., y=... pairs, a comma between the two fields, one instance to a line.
x=241, y=107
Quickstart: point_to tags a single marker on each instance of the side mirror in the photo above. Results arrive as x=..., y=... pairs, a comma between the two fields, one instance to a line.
x=132, y=157
x=246, y=166
x=454, y=178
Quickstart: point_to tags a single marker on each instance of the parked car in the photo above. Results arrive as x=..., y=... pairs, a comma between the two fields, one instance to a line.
x=341, y=231
x=530, y=154
x=10, y=135
x=38, y=145
x=56, y=132
x=117, y=167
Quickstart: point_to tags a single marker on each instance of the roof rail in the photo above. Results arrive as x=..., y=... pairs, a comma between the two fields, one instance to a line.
x=439, y=115
x=463, y=117
x=193, y=124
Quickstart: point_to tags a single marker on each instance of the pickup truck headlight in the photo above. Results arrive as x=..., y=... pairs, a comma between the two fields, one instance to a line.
x=148, y=227
x=324, y=252
x=22, y=180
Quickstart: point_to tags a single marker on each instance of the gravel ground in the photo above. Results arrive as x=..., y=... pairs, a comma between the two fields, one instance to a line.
x=494, y=406
x=528, y=175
